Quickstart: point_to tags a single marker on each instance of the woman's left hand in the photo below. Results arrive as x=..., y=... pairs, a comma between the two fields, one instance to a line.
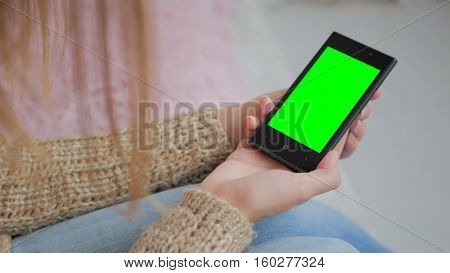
x=232, y=118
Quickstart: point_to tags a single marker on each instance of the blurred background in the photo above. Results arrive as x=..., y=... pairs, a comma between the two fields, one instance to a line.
x=400, y=169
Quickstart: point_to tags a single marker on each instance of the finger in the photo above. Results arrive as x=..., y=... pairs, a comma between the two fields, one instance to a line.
x=365, y=113
x=351, y=144
x=359, y=130
x=376, y=95
x=346, y=153
x=251, y=123
x=326, y=177
x=354, y=125
x=340, y=145
x=298, y=188
x=266, y=105
x=277, y=95
x=330, y=161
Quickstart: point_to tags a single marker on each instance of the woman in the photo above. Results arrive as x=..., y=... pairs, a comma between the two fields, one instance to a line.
x=54, y=188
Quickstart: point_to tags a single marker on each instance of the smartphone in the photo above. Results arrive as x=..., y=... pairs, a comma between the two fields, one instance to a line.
x=322, y=103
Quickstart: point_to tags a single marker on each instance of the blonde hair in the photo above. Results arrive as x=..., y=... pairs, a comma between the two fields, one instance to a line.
x=21, y=21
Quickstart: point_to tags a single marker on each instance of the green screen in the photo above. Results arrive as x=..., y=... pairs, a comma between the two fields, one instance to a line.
x=324, y=97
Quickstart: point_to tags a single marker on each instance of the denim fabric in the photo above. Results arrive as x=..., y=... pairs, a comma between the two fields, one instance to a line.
x=311, y=227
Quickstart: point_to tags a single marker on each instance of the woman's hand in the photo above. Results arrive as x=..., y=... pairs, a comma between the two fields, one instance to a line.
x=260, y=186
x=232, y=120
x=357, y=129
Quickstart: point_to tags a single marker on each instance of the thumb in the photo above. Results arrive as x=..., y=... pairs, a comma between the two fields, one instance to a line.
x=326, y=176
x=330, y=161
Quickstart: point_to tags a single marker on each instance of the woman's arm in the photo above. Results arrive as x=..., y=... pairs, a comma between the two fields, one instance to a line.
x=201, y=222
x=79, y=174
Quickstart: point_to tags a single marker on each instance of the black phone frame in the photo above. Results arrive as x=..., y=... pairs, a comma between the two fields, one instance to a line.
x=297, y=156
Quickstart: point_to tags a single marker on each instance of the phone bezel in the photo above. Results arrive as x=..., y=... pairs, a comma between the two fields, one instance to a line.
x=294, y=154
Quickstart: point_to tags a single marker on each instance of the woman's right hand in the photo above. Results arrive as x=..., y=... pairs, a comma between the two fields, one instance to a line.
x=260, y=186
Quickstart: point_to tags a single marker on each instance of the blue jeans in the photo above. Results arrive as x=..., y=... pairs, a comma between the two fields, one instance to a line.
x=311, y=227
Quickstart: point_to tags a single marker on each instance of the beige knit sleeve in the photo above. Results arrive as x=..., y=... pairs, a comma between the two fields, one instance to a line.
x=201, y=222
x=5, y=243
x=81, y=174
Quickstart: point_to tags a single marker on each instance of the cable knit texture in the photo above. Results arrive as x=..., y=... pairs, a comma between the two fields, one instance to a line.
x=5, y=243
x=86, y=173
x=200, y=223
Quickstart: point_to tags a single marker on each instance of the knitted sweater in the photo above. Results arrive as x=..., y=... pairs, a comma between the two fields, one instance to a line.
x=88, y=173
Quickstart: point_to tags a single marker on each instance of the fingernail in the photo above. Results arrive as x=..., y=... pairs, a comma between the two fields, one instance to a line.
x=269, y=106
x=254, y=121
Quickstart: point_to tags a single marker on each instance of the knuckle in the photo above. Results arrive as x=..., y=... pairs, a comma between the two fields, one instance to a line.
x=337, y=180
